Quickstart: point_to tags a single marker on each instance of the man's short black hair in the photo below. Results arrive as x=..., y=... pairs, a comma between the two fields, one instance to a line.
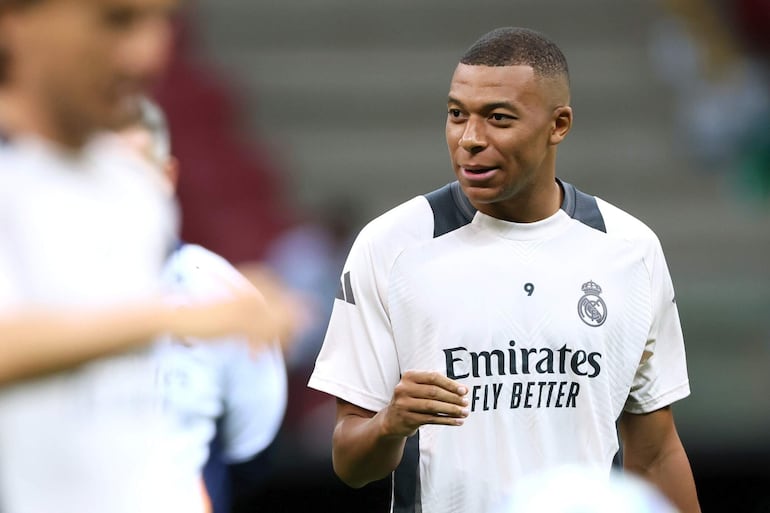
x=515, y=46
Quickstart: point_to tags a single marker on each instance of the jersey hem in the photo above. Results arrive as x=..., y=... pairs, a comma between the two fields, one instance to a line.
x=661, y=401
x=361, y=399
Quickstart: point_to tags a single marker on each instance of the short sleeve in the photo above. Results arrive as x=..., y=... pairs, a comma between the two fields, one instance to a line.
x=358, y=360
x=661, y=377
x=255, y=396
x=10, y=292
x=252, y=388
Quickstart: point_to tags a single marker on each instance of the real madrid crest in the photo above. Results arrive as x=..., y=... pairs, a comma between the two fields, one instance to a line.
x=591, y=307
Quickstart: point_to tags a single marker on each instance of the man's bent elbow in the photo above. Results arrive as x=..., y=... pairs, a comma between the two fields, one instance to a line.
x=345, y=476
x=357, y=473
x=360, y=455
x=348, y=475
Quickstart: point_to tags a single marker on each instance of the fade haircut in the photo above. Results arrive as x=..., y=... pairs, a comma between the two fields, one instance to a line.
x=515, y=46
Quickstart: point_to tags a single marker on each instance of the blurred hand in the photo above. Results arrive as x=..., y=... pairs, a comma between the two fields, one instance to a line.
x=245, y=312
x=423, y=397
x=296, y=311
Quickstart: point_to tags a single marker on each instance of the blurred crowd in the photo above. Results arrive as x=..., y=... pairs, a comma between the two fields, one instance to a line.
x=715, y=55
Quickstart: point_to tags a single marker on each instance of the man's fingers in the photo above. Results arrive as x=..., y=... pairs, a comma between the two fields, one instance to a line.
x=427, y=397
x=422, y=419
x=436, y=379
x=431, y=407
x=432, y=385
x=438, y=394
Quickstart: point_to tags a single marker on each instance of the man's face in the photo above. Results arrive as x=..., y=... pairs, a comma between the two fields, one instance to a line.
x=500, y=130
x=85, y=62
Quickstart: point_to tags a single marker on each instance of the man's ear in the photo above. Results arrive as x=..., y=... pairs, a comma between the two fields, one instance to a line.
x=562, y=123
x=171, y=171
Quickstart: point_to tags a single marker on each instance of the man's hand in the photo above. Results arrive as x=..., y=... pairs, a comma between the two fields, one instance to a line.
x=368, y=446
x=423, y=397
x=245, y=312
x=291, y=309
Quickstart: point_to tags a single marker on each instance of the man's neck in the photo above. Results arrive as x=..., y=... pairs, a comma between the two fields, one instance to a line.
x=534, y=203
x=20, y=116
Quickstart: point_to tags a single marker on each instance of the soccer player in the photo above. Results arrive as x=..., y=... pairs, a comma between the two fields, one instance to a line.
x=84, y=232
x=501, y=325
x=223, y=387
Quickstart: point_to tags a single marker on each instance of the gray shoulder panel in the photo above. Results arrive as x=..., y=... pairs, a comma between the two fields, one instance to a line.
x=451, y=209
x=582, y=207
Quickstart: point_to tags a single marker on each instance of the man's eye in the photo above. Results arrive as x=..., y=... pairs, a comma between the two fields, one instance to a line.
x=500, y=117
x=455, y=113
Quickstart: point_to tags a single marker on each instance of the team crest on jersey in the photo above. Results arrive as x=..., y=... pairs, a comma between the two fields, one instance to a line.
x=591, y=307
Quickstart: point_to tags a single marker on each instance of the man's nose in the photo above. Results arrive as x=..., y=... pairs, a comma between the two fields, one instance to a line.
x=473, y=138
x=146, y=50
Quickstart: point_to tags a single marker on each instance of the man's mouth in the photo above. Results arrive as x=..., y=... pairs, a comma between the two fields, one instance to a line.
x=476, y=171
x=479, y=169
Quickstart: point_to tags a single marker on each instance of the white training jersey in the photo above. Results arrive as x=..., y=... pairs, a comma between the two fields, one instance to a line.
x=555, y=327
x=218, y=383
x=82, y=230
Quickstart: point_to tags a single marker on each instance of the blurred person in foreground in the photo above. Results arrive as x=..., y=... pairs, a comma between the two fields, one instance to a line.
x=84, y=232
x=225, y=388
x=578, y=489
x=501, y=325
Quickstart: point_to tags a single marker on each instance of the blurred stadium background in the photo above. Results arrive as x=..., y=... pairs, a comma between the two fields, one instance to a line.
x=307, y=104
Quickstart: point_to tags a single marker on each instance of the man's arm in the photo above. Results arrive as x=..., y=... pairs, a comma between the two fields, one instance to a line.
x=653, y=450
x=368, y=446
x=40, y=341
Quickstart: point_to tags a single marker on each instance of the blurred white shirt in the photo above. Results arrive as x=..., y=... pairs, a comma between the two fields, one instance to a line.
x=85, y=230
x=218, y=381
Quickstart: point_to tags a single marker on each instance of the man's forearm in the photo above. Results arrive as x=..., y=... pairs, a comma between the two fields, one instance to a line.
x=35, y=342
x=362, y=453
x=672, y=475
